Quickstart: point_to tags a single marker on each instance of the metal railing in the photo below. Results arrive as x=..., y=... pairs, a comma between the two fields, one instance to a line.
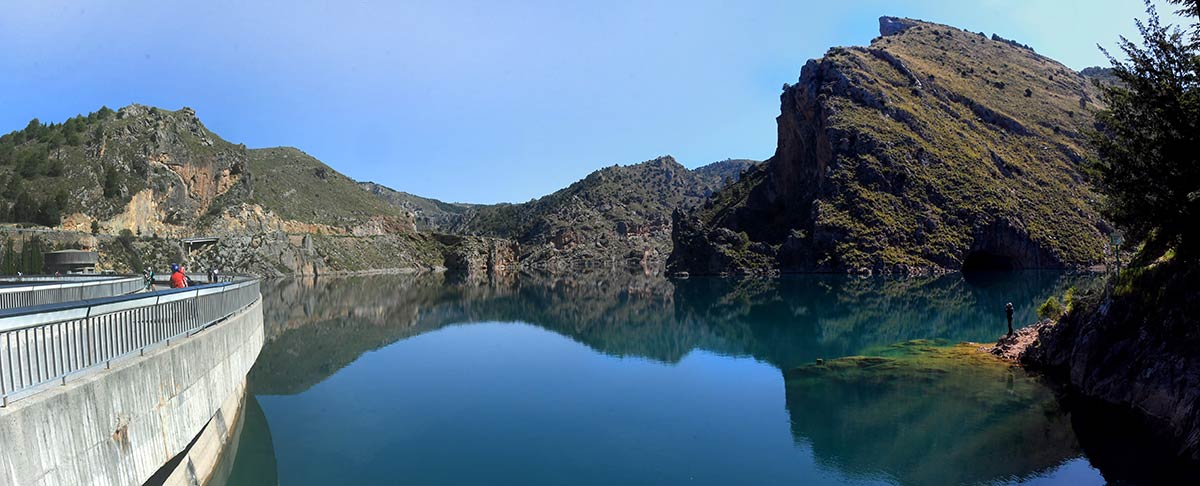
x=46, y=344
x=42, y=290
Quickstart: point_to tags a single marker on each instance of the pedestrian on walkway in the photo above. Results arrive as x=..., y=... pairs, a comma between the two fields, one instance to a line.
x=179, y=279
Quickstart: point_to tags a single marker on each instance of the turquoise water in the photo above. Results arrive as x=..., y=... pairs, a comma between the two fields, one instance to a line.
x=630, y=380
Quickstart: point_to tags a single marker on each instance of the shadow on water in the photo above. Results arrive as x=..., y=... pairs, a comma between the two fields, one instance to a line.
x=916, y=414
x=255, y=454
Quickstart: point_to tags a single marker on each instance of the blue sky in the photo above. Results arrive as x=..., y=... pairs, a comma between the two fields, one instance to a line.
x=478, y=101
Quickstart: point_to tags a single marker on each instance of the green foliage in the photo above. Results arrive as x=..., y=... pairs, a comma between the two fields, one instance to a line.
x=25, y=208
x=299, y=187
x=1050, y=309
x=95, y=227
x=11, y=262
x=12, y=188
x=1148, y=133
x=1069, y=299
x=125, y=236
x=112, y=183
x=30, y=260
x=32, y=162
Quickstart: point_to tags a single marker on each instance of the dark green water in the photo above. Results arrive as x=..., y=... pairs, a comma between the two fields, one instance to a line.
x=627, y=380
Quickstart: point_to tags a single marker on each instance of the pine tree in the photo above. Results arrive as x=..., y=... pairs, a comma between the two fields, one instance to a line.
x=1148, y=136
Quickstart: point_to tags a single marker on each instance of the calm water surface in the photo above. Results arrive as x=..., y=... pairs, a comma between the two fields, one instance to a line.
x=631, y=380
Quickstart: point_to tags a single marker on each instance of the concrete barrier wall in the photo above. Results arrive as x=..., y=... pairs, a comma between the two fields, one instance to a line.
x=203, y=460
x=119, y=426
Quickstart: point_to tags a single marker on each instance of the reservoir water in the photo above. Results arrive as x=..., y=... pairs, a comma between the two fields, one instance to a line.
x=634, y=380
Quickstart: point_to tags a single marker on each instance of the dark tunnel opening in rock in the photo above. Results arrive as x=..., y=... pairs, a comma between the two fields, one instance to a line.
x=982, y=261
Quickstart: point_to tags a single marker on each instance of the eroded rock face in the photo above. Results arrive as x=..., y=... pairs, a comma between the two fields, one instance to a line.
x=894, y=25
x=1136, y=350
x=477, y=255
x=190, y=167
x=911, y=156
x=615, y=218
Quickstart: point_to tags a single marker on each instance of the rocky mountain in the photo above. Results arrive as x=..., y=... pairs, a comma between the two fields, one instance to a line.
x=931, y=149
x=1101, y=74
x=131, y=183
x=616, y=217
x=725, y=172
x=429, y=214
x=140, y=168
x=303, y=189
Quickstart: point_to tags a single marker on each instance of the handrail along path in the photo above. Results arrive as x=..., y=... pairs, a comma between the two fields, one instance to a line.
x=29, y=291
x=45, y=344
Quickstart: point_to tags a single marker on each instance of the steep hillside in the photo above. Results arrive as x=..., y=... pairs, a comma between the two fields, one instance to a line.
x=616, y=217
x=932, y=149
x=153, y=176
x=299, y=187
x=140, y=168
x=724, y=172
x=429, y=214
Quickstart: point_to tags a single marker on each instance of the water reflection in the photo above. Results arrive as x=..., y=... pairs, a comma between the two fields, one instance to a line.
x=314, y=329
x=255, y=453
x=915, y=420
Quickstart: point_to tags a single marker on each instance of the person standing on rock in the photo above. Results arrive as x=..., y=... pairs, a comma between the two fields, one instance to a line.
x=1008, y=309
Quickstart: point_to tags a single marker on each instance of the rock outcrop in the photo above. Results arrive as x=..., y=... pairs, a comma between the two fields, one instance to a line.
x=156, y=176
x=429, y=214
x=933, y=149
x=1134, y=347
x=615, y=218
x=894, y=25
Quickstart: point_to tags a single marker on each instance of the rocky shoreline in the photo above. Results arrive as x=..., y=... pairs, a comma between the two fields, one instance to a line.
x=1130, y=352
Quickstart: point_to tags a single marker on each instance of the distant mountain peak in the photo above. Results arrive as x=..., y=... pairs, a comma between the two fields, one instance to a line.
x=895, y=25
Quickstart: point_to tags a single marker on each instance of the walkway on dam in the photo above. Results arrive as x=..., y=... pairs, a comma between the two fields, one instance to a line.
x=103, y=382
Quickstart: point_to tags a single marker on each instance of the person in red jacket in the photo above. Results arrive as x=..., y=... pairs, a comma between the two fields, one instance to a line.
x=178, y=278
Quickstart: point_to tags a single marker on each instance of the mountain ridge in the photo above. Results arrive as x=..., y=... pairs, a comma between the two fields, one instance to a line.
x=615, y=217
x=930, y=150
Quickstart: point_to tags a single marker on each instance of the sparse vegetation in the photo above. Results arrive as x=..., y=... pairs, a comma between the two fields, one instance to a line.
x=1051, y=308
x=299, y=187
x=928, y=152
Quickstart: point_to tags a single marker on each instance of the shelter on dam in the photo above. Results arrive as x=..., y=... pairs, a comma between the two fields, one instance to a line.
x=71, y=261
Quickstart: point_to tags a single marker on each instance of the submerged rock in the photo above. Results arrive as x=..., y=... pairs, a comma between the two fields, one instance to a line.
x=937, y=415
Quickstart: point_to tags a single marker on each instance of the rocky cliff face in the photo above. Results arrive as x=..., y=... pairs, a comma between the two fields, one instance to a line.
x=1134, y=347
x=162, y=175
x=429, y=214
x=615, y=218
x=141, y=169
x=932, y=149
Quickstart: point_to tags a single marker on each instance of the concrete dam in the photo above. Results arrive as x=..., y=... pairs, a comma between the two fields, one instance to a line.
x=103, y=382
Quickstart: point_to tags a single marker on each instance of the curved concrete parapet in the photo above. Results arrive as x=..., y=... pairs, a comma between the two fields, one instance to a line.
x=120, y=426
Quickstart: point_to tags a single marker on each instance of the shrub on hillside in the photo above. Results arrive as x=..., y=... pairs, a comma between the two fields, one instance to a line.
x=1051, y=308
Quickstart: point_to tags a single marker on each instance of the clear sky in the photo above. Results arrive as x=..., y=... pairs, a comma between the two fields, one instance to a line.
x=482, y=101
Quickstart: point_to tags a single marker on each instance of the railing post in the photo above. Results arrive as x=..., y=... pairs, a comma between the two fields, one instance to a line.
x=100, y=332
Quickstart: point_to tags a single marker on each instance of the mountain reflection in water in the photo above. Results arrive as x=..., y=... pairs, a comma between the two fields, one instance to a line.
x=918, y=415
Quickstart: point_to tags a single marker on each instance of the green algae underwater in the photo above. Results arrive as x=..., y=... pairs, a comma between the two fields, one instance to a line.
x=988, y=419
